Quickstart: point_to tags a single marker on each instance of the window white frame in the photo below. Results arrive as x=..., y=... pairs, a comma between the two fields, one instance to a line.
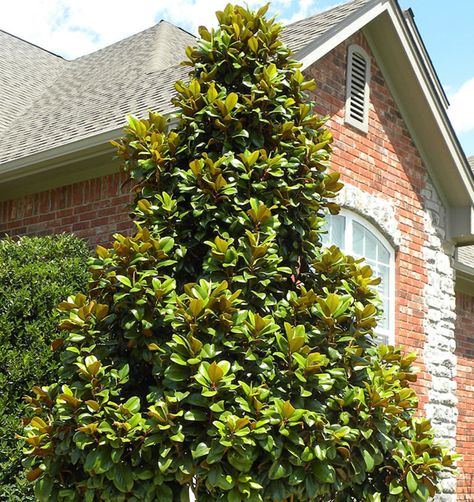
x=353, y=52
x=350, y=218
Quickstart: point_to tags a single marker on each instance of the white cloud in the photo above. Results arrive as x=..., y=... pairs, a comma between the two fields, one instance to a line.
x=461, y=110
x=190, y=14
x=76, y=28
x=193, y=13
x=72, y=28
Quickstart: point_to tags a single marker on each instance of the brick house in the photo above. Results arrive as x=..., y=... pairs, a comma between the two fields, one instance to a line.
x=409, y=195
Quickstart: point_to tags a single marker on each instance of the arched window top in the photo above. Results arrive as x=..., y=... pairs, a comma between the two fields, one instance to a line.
x=357, y=87
x=358, y=237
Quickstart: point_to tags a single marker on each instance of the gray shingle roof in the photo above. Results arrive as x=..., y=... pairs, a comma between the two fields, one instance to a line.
x=25, y=73
x=466, y=255
x=471, y=162
x=59, y=102
x=94, y=93
x=299, y=34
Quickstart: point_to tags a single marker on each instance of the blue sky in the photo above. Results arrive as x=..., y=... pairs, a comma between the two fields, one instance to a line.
x=76, y=27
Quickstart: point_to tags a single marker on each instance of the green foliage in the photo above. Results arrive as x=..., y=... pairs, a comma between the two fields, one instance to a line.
x=35, y=273
x=220, y=347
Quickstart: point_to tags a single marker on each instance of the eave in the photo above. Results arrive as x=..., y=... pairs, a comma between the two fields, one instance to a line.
x=464, y=278
x=86, y=158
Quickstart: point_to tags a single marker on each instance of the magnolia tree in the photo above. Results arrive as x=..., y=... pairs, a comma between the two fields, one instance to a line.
x=221, y=349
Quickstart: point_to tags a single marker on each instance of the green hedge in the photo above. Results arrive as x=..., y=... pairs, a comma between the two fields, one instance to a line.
x=36, y=273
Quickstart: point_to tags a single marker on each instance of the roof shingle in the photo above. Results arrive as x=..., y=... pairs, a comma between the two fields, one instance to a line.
x=62, y=101
x=25, y=73
x=299, y=34
x=471, y=162
x=94, y=93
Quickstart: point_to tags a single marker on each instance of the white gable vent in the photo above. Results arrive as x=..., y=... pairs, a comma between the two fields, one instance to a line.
x=357, y=88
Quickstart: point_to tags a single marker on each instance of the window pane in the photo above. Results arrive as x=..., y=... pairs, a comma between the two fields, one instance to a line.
x=382, y=339
x=335, y=226
x=384, y=322
x=384, y=273
x=383, y=254
x=367, y=245
x=370, y=246
x=358, y=235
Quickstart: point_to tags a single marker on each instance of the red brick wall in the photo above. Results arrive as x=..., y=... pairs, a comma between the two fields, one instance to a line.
x=386, y=163
x=465, y=392
x=93, y=209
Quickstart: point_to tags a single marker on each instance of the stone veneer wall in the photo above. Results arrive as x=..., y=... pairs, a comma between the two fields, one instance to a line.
x=378, y=210
x=440, y=343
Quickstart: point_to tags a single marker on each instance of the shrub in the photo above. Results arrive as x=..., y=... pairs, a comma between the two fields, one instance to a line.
x=35, y=273
x=221, y=347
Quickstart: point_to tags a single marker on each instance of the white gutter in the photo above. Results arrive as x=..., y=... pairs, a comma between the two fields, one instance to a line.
x=55, y=157
x=464, y=269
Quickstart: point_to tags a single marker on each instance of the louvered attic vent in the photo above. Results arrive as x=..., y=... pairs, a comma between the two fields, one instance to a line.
x=357, y=88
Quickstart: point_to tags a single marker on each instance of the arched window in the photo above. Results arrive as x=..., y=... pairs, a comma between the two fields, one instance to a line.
x=357, y=237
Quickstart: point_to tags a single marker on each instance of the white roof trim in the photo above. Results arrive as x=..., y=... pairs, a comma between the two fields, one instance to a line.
x=462, y=267
x=325, y=43
x=410, y=23
x=435, y=103
x=464, y=278
x=53, y=157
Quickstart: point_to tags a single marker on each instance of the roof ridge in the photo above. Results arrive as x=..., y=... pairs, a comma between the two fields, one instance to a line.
x=32, y=44
x=178, y=27
x=166, y=38
x=133, y=35
x=155, y=27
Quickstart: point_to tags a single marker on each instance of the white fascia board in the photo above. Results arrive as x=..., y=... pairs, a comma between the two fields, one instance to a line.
x=62, y=155
x=435, y=105
x=325, y=43
x=55, y=157
x=464, y=269
x=411, y=25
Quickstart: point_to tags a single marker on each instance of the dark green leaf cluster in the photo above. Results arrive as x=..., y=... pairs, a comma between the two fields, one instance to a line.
x=221, y=347
x=35, y=274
